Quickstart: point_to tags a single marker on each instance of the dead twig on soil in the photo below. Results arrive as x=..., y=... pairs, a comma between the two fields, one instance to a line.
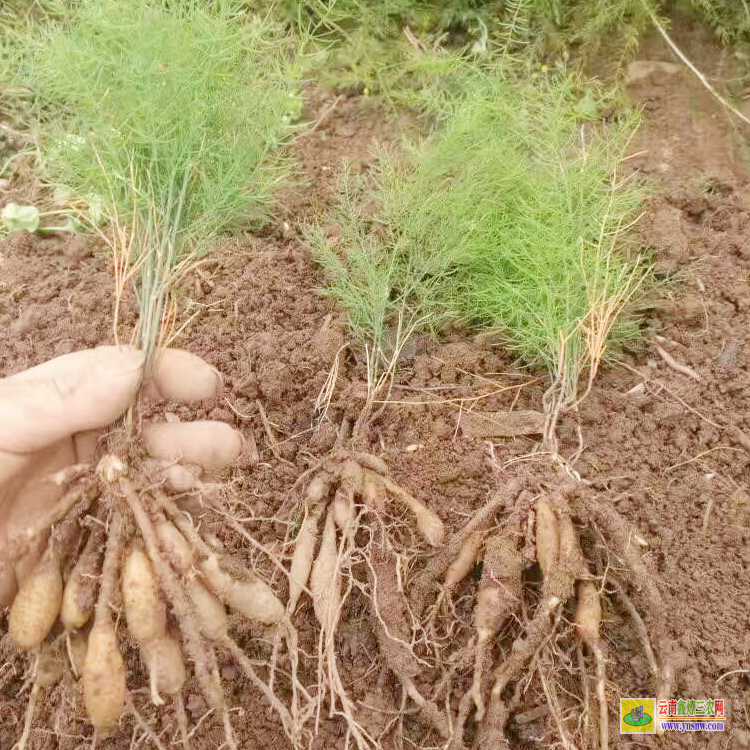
x=704, y=81
x=675, y=365
x=272, y=442
x=659, y=385
x=699, y=456
x=324, y=115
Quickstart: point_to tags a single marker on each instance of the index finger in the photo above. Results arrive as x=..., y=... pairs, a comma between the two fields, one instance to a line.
x=79, y=391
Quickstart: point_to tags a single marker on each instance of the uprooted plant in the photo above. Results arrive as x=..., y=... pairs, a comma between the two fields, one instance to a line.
x=532, y=546
x=511, y=219
x=172, y=115
x=539, y=601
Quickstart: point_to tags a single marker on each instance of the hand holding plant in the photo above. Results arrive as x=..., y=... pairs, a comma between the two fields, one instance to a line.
x=174, y=114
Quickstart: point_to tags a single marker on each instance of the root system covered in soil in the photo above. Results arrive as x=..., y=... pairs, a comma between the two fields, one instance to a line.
x=422, y=583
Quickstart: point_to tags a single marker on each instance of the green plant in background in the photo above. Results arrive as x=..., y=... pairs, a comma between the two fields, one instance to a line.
x=730, y=19
x=512, y=219
x=173, y=114
x=396, y=47
x=388, y=47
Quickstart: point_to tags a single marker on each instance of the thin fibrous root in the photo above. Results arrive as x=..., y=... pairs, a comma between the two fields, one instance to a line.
x=144, y=727
x=276, y=704
x=178, y=706
x=30, y=709
x=202, y=655
x=492, y=728
x=71, y=658
x=675, y=365
x=551, y=695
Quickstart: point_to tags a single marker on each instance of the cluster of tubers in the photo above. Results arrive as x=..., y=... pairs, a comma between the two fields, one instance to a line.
x=537, y=533
x=132, y=550
x=152, y=555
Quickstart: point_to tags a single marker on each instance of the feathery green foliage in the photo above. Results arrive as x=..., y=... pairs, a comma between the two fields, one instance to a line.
x=506, y=221
x=394, y=47
x=172, y=113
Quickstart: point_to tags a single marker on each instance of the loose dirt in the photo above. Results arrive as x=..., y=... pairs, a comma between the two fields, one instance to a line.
x=656, y=444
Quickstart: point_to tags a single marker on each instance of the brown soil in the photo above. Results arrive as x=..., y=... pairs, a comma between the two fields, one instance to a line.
x=657, y=453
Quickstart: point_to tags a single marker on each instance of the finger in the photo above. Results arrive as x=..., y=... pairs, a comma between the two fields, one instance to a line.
x=184, y=377
x=79, y=391
x=212, y=445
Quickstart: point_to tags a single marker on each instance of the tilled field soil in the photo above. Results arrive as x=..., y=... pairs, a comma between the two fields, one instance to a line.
x=666, y=449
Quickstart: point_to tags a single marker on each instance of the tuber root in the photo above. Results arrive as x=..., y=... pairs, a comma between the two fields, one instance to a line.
x=500, y=591
x=163, y=657
x=145, y=611
x=466, y=560
x=253, y=598
x=104, y=678
x=79, y=594
x=304, y=551
x=37, y=605
x=325, y=576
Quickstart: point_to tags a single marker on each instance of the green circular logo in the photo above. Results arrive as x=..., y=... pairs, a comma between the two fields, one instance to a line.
x=641, y=720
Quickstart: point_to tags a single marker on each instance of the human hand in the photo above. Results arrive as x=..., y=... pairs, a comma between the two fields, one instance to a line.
x=52, y=416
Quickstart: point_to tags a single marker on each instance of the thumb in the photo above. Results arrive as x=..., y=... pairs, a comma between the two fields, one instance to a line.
x=80, y=391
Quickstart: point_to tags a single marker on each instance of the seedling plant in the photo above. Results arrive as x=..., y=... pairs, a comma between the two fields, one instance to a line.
x=171, y=116
x=512, y=219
